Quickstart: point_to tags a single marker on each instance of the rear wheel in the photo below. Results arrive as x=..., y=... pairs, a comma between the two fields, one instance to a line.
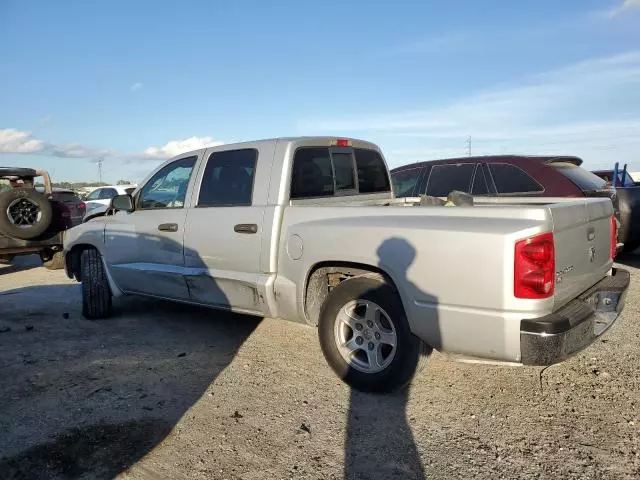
x=96, y=293
x=365, y=336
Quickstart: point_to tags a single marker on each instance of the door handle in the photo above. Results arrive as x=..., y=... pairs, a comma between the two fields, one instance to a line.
x=246, y=228
x=168, y=227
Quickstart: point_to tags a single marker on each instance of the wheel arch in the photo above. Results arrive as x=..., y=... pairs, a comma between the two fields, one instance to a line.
x=325, y=275
x=72, y=260
x=72, y=265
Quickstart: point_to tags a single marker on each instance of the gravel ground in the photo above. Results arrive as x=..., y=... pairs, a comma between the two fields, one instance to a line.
x=168, y=391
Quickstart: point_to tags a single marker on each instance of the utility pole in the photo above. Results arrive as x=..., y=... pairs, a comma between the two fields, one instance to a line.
x=469, y=146
x=100, y=160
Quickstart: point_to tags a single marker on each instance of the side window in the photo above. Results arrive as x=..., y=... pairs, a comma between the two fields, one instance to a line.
x=511, y=179
x=95, y=195
x=312, y=174
x=446, y=178
x=405, y=182
x=480, y=186
x=108, y=193
x=372, y=171
x=168, y=187
x=228, y=178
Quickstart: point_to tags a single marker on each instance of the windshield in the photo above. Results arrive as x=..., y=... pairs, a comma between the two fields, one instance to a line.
x=584, y=179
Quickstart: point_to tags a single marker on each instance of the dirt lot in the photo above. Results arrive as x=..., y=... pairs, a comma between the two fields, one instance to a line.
x=167, y=391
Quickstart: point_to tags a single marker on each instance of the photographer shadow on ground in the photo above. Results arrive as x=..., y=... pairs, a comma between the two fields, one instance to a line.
x=379, y=442
x=80, y=397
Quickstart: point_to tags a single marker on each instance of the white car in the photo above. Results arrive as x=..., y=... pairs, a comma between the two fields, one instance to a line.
x=101, y=196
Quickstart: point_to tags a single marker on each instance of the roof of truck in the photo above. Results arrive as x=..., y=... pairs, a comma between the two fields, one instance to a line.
x=499, y=159
x=319, y=138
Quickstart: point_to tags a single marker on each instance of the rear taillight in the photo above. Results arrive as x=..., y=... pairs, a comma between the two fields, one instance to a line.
x=614, y=238
x=534, y=267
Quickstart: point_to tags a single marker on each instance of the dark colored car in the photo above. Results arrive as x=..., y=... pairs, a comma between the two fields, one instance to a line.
x=33, y=219
x=502, y=175
x=628, y=194
x=69, y=209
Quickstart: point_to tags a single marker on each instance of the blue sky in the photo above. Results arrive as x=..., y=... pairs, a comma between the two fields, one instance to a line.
x=136, y=82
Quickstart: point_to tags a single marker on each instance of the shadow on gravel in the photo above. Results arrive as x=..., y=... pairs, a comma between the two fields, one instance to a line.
x=102, y=450
x=379, y=440
x=88, y=399
x=20, y=264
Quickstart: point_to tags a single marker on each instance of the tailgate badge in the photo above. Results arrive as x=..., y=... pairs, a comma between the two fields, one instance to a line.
x=592, y=254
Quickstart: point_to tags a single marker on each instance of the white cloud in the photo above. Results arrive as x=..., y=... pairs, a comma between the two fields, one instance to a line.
x=624, y=7
x=176, y=147
x=76, y=150
x=16, y=141
x=590, y=108
x=136, y=86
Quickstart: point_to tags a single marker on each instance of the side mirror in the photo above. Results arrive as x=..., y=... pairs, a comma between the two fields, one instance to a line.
x=122, y=202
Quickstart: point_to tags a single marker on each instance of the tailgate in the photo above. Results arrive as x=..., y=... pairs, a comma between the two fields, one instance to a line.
x=582, y=233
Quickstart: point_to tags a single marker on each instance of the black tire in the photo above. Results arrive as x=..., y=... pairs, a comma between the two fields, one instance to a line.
x=409, y=351
x=22, y=200
x=54, y=262
x=96, y=293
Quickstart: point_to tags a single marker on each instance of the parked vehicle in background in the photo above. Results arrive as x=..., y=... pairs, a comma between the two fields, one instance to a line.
x=624, y=178
x=628, y=194
x=72, y=208
x=101, y=196
x=502, y=176
x=307, y=229
x=33, y=219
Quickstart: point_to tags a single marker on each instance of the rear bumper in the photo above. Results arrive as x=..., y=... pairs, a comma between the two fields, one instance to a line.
x=555, y=337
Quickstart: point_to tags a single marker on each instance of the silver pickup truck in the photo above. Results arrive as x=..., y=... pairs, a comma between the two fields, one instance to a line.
x=307, y=229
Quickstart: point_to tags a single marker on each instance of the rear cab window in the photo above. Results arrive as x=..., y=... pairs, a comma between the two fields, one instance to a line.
x=319, y=172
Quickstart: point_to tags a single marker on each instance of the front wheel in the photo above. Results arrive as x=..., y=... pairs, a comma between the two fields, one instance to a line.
x=96, y=293
x=365, y=336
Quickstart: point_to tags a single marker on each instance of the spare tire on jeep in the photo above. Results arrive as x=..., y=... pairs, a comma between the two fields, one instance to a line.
x=24, y=213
